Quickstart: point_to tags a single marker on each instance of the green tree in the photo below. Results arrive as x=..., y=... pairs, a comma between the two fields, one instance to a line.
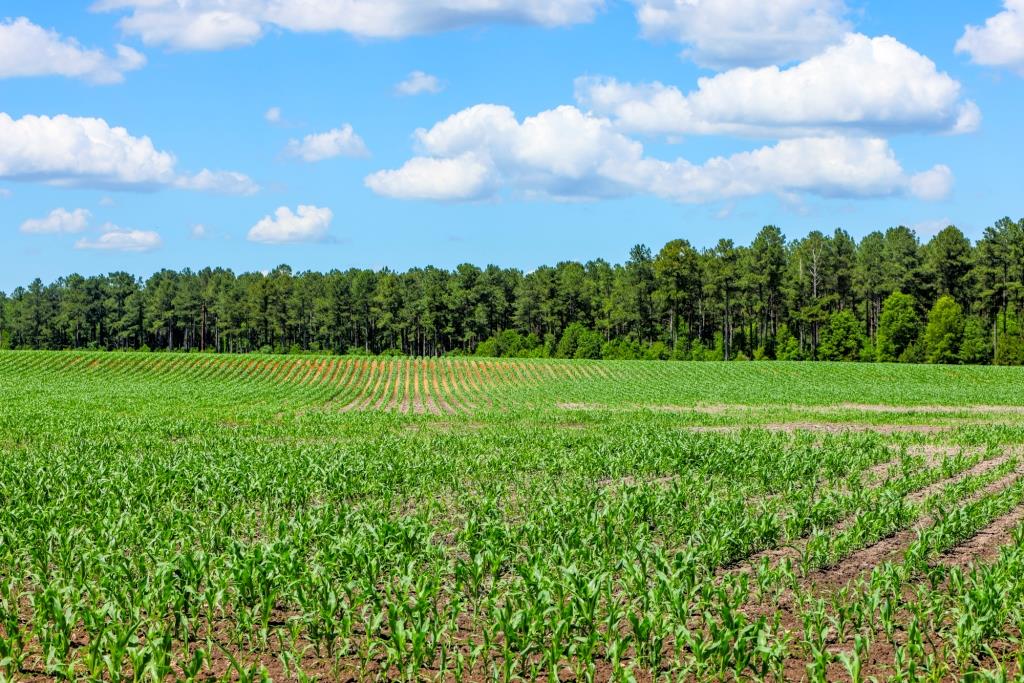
x=898, y=327
x=948, y=259
x=842, y=338
x=944, y=335
x=579, y=342
x=676, y=277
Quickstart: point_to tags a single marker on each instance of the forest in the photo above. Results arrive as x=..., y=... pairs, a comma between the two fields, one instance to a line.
x=888, y=297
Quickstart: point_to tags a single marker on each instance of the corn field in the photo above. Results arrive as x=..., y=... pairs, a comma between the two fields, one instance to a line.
x=250, y=518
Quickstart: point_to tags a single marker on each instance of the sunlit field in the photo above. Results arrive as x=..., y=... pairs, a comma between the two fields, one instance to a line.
x=201, y=517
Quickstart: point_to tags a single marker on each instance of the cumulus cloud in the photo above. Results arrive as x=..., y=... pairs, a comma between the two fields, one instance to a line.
x=218, y=24
x=273, y=115
x=460, y=178
x=88, y=152
x=310, y=224
x=729, y=33
x=1000, y=42
x=864, y=84
x=565, y=153
x=30, y=50
x=58, y=221
x=115, y=238
x=932, y=185
x=417, y=83
x=334, y=143
x=198, y=231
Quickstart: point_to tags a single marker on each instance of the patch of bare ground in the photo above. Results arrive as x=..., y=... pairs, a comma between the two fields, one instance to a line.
x=887, y=547
x=925, y=409
x=985, y=545
x=622, y=482
x=840, y=428
x=890, y=549
x=701, y=408
x=825, y=428
x=713, y=429
x=580, y=406
x=874, y=408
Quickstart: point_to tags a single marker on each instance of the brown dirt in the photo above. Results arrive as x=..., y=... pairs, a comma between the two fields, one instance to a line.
x=621, y=482
x=928, y=409
x=985, y=545
x=822, y=428
x=840, y=428
x=863, y=561
x=794, y=550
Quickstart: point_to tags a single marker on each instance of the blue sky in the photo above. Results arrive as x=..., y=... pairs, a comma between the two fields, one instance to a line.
x=600, y=135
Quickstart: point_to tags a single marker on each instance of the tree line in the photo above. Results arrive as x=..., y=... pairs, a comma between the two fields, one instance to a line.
x=888, y=297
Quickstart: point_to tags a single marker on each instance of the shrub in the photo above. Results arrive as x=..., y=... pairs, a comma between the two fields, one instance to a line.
x=977, y=344
x=842, y=338
x=944, y=334
x=898, y=327
x=786, y=345
x=658, y=351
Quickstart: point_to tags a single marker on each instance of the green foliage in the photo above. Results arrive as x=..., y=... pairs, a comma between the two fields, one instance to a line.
x=579, y=342
x=944, y=335
x=868, y=352
x=1010, y=349
x=786, y=345
x=842, y=339
x=621, y=349
x=511, y=344
x=657, y=351
x=899, y=327
x=977, y=342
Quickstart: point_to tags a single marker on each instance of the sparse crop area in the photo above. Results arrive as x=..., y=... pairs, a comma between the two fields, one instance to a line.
x=204, y=517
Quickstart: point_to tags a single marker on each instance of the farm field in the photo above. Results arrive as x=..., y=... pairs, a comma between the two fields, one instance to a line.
x=201, y=517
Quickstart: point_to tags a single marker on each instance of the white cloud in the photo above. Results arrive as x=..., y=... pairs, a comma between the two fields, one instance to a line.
x=88, y=152
x=419, y=82
x=273, y=115
x=568, y=154
x=115, y=238
x=58, y=221
x=728, y=33
x=1000, y=42
x=334, y=143
x=221, y=182
x=79, y=151
x=459, y=178
x=862, y=84
x=191, y=25
x=5, y=193
x=198, y=231
x=107, y=201
x=30, y=50
x=218, y=24
x=932, y=185
x=310, y=224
